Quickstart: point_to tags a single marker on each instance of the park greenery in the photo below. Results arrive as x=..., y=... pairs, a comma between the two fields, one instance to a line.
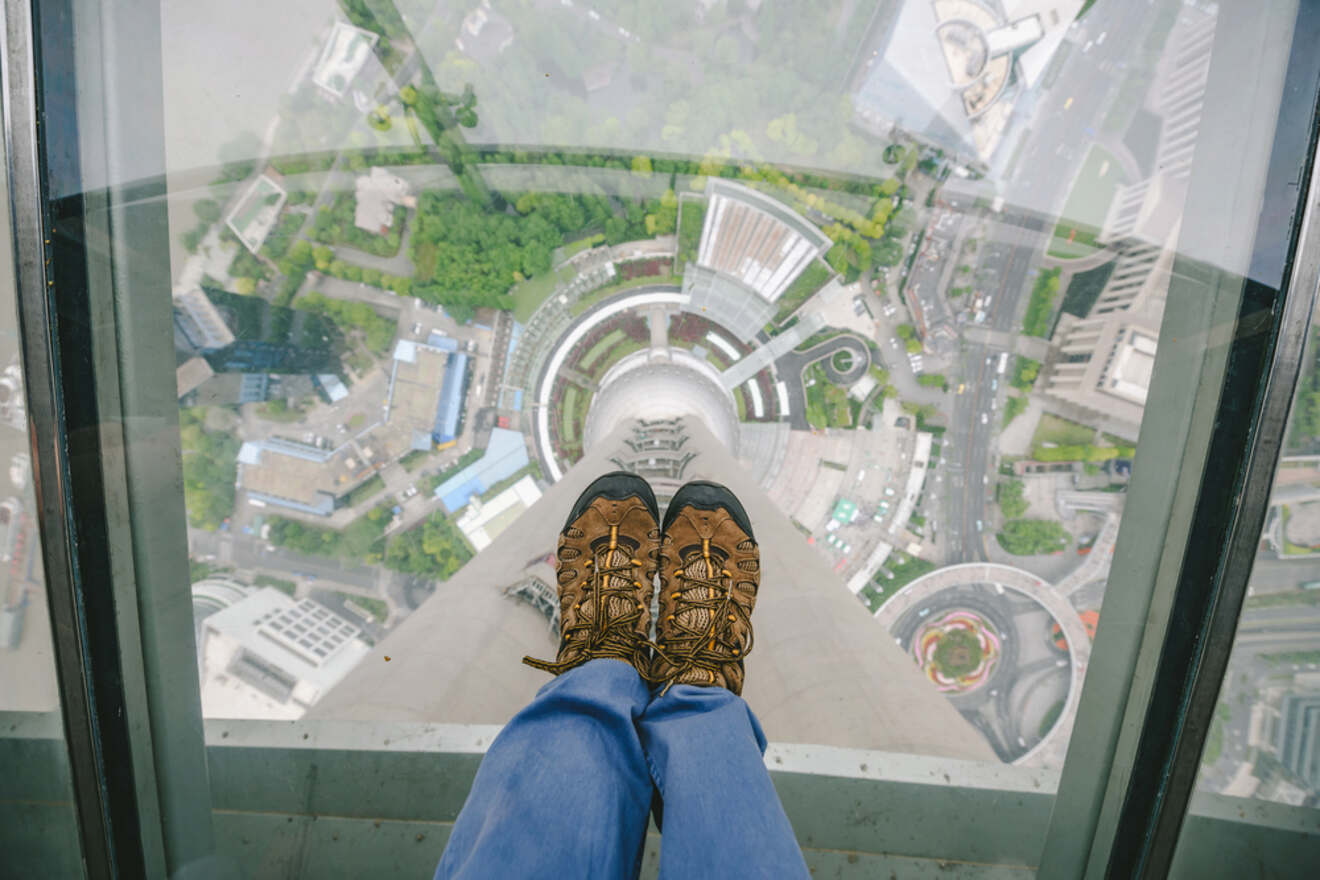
x=1025, y=371
x=692, y=217
x=335, y=226
x=434, y=549
x=1013, y=407
x=210, y=466
x=957, y=653
x=467, y=257
x=1083, y=453
x=827, y=403
x=361, y=540
x=908, y=334
x=933, y=380
x=377, y=332
x=1030, y=537
x=903, y=568
x=812, y=279
x=1036, y=322
x=1011, y=498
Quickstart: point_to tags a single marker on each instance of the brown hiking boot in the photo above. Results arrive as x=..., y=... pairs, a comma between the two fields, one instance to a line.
x=710, y=568
x=607, y=562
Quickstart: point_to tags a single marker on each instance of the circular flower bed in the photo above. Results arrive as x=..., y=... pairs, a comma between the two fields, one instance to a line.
x=957, y=651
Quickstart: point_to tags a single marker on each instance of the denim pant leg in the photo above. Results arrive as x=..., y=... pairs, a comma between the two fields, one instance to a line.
x=563, y=790
x=720, y=815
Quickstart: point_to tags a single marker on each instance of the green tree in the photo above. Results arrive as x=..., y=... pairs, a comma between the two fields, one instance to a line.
x=1029, y=537
x=245, y=286
x=641, y=166
x=1011, y=498
x=207, y=210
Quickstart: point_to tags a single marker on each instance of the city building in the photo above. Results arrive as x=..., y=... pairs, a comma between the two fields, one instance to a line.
x=1101, y=364
x=342, y=58
x=504, y=456
x=424, y=401
x=302, y=477
x=263, y=654
x=1285, y=725
x=484, y=521
x=820, y=673
x=256, y=213
x=951, y=72
x=200, y=321
x=378, y=194
x=756, y=240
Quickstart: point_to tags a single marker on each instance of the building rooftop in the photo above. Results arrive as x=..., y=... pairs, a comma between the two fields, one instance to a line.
x=378, y=193
x=505, y=455
x=484, y=521
x=344, y=55
x=270, y=656
x=200, y=321
x=256, y=212
x=297, y=476
x=191, y=374
x=755, y=239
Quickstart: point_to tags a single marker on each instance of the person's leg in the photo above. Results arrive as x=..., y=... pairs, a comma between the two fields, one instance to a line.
x=564, y=789
x=719, y=814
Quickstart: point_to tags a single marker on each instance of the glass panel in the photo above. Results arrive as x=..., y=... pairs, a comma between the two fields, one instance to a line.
x=440, y=257
x=896, y=272
x=1264, y=744
x=38, y=824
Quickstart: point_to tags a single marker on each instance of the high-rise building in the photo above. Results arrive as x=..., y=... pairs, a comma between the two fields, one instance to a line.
x=263, y=654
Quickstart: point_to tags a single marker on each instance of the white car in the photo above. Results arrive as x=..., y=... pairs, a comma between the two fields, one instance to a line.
x=978, y=525
x=984, y=418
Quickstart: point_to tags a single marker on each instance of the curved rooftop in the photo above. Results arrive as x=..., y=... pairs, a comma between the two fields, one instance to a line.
x=682, y=386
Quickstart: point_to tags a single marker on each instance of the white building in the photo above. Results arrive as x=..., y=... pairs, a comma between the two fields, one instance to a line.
x=756, y=240
x=342, y=58
x=378, y=194
x=262, y=654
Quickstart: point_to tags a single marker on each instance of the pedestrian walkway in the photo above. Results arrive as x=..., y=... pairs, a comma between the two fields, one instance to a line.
x=767, y=354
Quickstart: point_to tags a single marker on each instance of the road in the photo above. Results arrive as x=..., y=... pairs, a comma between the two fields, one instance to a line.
x=1064, y=126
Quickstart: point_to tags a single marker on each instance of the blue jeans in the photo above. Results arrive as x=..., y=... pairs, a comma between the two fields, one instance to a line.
x=565, y=789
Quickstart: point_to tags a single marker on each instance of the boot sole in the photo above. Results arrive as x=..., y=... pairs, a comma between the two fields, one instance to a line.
x=617, y=486
x=705, y=495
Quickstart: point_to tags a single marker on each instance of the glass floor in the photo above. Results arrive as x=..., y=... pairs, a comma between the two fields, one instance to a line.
x=902, y=274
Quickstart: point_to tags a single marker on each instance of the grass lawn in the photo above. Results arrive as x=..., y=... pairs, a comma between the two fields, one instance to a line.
x=1061, y=432
x=568, y=424
x=1088, y=201
x=596, y=296
x=593, y=354
x=827, y=404
x=529, y=294
x=812, y=279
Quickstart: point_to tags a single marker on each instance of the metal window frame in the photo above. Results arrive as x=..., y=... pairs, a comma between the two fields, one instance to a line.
x=95, y=322
x=106, y=456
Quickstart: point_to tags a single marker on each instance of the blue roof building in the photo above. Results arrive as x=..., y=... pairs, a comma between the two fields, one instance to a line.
x=450, y=407
x=505, y=455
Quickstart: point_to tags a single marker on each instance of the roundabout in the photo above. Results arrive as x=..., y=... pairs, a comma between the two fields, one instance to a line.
x=1006, y=647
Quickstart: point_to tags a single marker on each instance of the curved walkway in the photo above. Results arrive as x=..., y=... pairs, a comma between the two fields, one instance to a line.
x=1051, y=750
x=792, y=364
x=660, y=294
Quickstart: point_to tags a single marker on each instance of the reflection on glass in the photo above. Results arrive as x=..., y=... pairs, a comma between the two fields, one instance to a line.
x=1264, y=742
x=41, y=837
x=902, y=265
